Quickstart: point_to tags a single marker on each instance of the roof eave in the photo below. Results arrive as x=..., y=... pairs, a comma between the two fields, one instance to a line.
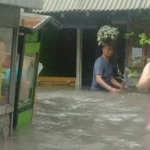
x=32, y=4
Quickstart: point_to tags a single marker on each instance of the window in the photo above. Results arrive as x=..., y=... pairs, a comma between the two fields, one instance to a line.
x=27, y=79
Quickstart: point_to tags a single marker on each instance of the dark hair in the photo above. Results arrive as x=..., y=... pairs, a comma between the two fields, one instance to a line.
x=112, y=43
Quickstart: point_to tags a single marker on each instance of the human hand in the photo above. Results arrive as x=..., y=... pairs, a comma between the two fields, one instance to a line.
x=125, y=87
x=114, y=90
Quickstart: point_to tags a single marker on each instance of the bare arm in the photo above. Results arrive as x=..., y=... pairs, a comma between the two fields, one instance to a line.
x=115, y=82
x=144, y=82
x=100, y=81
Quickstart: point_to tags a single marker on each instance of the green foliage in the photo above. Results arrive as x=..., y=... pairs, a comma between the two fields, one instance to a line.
x=120, y=75
x=139, y=39
x=128, y=35
x=132, y=73
x=107, y=35
x=143, y=39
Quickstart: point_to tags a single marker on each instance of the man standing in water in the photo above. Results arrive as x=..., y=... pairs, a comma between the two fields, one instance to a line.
x=103, y=79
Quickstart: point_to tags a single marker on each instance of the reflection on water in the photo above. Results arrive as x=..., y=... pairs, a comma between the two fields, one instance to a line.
x=83, y=120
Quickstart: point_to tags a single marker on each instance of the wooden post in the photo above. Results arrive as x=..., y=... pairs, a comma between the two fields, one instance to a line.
x=79, y=59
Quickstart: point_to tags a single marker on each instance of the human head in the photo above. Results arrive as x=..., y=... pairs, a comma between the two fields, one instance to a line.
x=108, y=50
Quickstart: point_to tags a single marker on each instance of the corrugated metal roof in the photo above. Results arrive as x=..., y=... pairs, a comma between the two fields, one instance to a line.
x=93, y=5
x=60, y=5
x=33, y=4
x=109, y=5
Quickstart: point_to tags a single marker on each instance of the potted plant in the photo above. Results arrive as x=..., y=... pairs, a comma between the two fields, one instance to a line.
x=107, y=35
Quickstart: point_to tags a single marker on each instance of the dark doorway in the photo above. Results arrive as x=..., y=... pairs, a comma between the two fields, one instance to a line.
x=66, y=53
x=88, y=56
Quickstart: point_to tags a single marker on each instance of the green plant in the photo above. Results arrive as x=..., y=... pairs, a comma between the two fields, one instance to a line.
x=128, y=35
x=120, y=75
x=137, y=37
x=143, y=39
x=107, y=35
x=132, y=73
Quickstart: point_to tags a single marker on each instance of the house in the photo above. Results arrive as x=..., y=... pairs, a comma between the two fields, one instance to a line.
x=75, y=48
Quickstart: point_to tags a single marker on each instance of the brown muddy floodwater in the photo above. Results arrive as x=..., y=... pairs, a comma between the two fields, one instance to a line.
x=67, y=119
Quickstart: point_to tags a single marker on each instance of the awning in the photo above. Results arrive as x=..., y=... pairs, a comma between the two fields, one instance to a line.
x=33, y=4
x=29, y=23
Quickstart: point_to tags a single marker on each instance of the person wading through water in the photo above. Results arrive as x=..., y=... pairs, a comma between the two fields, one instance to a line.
x=103, y=79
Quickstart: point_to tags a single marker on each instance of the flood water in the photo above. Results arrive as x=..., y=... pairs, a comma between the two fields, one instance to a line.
x=67, y=119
